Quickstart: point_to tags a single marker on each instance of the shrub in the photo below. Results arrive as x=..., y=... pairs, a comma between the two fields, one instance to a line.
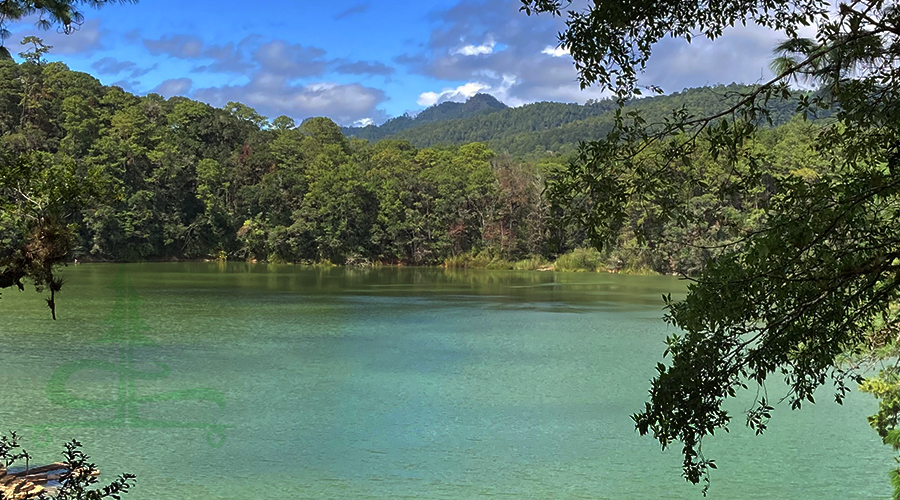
x=579, y=260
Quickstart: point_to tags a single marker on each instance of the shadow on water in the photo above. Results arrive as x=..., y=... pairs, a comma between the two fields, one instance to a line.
x=551, y=291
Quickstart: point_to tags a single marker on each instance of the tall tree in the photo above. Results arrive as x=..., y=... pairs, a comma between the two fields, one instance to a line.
x=40, y=190
x=818, y=277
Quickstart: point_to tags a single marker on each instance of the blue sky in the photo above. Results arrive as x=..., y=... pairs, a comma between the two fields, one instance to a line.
x=362, y=61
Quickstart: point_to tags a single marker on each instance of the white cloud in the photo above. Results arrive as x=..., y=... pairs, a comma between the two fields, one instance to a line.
x=475, y=50
x=544, y=71
x=273, y=95
x=174, y=86
x=501, y=90
x=463, y=91
x=364, y=122
x=555, y=51
x=742, y=54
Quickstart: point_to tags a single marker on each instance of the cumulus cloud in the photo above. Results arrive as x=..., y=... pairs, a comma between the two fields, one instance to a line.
x=112, y=66
x=364, y=122
x=513, y=75
x=227, y=58
x=500, y=90
x=174, y=86
x=741, y=54
x=253, y=54
x=413, y=61
x=517, y=74
x=279, y=73
x=127, y=85
x=273, y=94
x=138, y=72
x=132, y=35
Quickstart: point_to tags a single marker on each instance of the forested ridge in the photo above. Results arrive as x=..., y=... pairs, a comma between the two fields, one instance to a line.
x=541, y=129
x=185, y=180
x=476, y=105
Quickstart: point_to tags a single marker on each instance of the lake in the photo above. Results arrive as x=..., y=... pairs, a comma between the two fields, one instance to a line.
x=237, y=381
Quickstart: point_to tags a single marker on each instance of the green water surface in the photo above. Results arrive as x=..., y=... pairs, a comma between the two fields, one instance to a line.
x=388, y=383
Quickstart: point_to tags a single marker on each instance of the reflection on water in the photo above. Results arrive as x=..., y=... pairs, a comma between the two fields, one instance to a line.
x=397, y=382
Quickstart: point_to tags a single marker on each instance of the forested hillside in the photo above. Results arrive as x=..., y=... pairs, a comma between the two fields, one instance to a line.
x=551, y=128
x=185, y=180
x=479, y=104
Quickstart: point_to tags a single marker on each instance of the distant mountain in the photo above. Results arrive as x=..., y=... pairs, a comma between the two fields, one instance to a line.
x=478, y=104
x=503, y=129
x=539, y=129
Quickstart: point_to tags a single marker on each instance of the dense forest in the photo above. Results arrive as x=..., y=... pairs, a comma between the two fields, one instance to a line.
x=184, y=180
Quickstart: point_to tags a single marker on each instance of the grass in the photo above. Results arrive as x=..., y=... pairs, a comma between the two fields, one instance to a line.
x=580, y=260
x=484, y=260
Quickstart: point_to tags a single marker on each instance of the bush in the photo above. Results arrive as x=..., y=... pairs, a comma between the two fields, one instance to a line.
x=471, y=260
x=76, y=482
x=533, y=263
x=580, y=260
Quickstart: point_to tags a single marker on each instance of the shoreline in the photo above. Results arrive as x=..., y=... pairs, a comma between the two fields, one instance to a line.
x=493, y=266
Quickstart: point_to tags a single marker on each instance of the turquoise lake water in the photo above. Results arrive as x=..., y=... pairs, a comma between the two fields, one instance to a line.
x=243, y=381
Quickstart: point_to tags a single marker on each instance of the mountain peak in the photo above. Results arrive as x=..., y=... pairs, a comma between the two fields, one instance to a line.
x=484, y=101
x=478, y=104
x=450, y=110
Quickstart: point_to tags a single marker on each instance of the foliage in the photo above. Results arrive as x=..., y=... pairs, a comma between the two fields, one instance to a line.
x=580, y=259
x=185, y=180
x=533, y=263
x=487, y=260
x=39, y=192
x=79, y=479
x=882, y=346
x=810, y=270
x=480, y=260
